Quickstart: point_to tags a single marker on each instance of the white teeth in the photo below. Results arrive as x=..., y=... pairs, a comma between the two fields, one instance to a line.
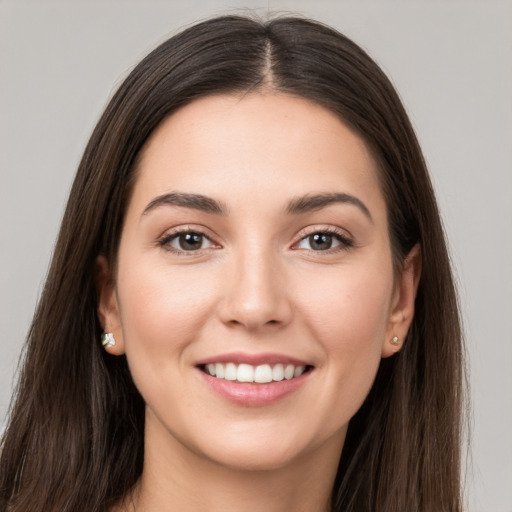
x=278, y=372
x=219, y=371
x=230, y=373
x=299, y=370
x=245, y=373
x=261, y=374
x=288, y=371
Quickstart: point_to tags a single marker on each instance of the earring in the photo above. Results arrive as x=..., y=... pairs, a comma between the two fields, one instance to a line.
x=395, y=340
x=107, y=340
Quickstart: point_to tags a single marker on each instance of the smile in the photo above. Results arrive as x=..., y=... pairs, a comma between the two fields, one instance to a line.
x=261, y=374
x=254, y=379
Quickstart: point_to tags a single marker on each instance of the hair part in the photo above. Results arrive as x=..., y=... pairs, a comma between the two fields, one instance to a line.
x=76, y=430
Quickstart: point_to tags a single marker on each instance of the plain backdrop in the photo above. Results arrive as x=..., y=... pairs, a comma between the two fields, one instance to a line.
x=452, y=64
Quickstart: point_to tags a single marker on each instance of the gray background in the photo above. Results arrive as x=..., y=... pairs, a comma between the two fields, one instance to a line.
x=451, y=62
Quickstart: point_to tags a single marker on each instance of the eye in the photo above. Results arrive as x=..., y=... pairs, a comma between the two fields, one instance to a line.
x=324, y=241
x=186, y=241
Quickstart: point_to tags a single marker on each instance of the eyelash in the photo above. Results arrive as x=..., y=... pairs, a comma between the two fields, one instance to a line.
x=166, y=240
x=345, y=242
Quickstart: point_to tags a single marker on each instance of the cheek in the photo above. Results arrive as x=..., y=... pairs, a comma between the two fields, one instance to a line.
x=162, y=310
x=348, y=309
x=348, y=314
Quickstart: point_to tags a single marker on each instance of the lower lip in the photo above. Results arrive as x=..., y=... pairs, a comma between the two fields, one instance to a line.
x=251, y=394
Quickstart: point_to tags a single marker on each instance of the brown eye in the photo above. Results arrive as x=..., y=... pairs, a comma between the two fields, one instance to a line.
x=190, y=241
x=320, y=241
x=324, y=241
x=187, y=241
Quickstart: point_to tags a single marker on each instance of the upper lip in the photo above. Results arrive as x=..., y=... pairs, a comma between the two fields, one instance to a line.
x=253, y=359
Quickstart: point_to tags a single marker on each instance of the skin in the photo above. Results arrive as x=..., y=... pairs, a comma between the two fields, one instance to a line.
x=257, y=285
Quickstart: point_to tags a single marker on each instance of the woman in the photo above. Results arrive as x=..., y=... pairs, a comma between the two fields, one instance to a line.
x=253, y=236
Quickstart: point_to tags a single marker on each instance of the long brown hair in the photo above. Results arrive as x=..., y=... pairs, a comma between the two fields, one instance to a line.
x=74, y=440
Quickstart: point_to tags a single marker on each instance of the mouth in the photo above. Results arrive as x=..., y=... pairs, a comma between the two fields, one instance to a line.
x=254, y=379
x=255, y=374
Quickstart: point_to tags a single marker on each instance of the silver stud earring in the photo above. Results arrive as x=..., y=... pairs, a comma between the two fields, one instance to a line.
x=107, y=340
x=395, y=340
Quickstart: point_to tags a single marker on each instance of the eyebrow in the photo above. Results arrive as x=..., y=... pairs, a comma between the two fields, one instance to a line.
x=194, y=201
x=297, y=206
x=314, y=202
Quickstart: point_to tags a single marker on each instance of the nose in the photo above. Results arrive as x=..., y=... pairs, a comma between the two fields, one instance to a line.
x=255, y=295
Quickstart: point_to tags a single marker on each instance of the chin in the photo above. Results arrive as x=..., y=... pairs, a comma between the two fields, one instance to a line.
x=268, y=447
x=264, y=457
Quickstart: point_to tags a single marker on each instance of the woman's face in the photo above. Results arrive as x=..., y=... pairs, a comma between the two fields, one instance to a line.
x=255, y=247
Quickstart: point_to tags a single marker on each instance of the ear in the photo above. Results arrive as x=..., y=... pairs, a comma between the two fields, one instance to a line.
x=402, y=307
x=108, y=309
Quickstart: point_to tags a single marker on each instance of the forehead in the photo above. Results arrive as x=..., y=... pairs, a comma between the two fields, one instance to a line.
x=234, y=146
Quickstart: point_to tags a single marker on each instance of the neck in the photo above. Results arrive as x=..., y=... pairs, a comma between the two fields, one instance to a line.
x=174, y=478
